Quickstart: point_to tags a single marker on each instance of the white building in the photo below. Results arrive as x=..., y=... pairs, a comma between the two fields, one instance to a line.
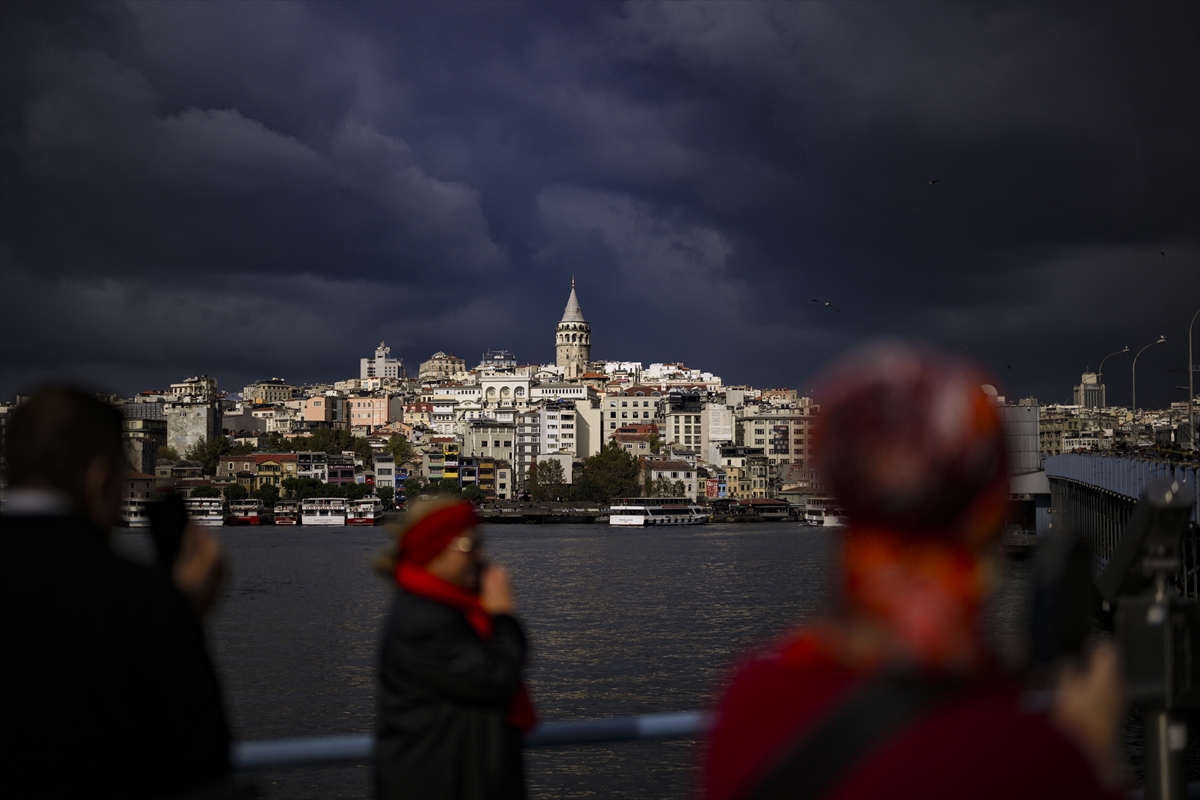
x=381, y=366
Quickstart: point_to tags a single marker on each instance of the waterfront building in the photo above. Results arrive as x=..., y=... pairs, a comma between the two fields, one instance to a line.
x=200, y=389
x=504, y=480
x=784, y=433
x=633, y=405
x=273, y=390
x=674, y=471
x=1090, y=392
x=529, y=439
x=572, y=339
x=441, y=367
x=312, y=465
x=328, y=409
x=374, y=411
x=142, y=439
x=382, y=365
x=491, y=438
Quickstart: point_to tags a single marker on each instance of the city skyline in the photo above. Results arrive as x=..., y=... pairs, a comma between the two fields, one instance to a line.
x=272, y=189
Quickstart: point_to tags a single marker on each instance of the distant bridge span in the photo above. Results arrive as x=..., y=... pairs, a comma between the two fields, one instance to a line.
x=1095, y=494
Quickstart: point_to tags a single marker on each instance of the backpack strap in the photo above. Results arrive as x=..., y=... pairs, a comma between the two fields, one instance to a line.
x=822, y=755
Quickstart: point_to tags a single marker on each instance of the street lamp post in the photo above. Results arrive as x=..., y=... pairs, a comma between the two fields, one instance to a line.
x=1161, y=339
x=1100, y=372
x=1191, y=390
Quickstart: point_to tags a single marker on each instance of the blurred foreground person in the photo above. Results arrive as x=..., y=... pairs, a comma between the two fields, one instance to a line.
x=108, y=688
x=895, y=695
x=452, y=707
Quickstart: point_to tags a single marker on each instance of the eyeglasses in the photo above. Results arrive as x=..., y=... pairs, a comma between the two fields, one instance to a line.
x=465, y=544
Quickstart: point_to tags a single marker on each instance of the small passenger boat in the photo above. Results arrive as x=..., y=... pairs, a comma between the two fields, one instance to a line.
x=133, y=512
x=287, y=513
x=209, y=511
x=329, y=511
x=245, y=512
x=636, y=512
x=368, y=511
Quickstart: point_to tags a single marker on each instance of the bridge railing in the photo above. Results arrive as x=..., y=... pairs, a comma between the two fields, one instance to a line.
x=357, y=748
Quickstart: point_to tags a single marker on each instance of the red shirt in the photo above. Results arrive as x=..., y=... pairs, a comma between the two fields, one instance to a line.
x=982, y=743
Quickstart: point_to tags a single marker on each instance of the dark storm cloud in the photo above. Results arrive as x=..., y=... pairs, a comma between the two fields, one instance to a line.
x=273, y=188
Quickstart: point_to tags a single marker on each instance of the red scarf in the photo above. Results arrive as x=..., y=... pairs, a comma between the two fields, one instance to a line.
x=418, y=581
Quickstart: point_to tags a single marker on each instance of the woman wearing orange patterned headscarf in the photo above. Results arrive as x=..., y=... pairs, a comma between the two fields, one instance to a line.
x=896, y=694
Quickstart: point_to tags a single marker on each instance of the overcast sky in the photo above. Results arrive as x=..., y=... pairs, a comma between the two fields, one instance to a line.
x=254, y=190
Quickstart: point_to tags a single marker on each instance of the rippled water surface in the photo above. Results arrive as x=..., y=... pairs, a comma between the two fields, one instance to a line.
x=621, y=622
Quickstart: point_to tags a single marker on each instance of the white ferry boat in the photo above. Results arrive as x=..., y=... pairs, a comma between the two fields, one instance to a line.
x=133, y=513
x=368, y=511
x=287, y=513
x=245, y=512
x=636, y=512
x=205, y=510
x=323, y=511
x=825, y=517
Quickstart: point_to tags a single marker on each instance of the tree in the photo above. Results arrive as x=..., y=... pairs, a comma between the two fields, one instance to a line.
x=473, y=493
x=208, y=452
x=448, y=486
x=356, y=491
x=400, y=448
x=661, y=487
x=655, y=441
x=268, y=493
x=277, y=444
x=206, y=491
x=386, y=493
x=609, y=474
x=551, y=483
x=413, y=486
x=243, y=449
x=235, y=491
x=168, y=453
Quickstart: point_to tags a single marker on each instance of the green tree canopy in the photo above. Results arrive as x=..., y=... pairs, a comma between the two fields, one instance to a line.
x=334, y=441
x=414, y=486
x=206, y=491
x=168, y=453
x=277, y=444
x=473, y=493
x=235, y=491
x=609, y=474
x=243, y=449
x=400, y=448
x=386, y=493
x=267, y=493
x=551, y=483
x=447, y=486
x=208, y=452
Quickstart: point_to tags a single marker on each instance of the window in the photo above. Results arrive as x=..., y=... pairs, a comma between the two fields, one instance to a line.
x=508, y=442
x=624, y=404
x=624, y=414
x=758, y=441
x=612, y=424
x=674, y=474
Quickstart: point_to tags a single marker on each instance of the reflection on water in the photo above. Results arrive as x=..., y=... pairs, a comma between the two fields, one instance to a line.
x=621, y=622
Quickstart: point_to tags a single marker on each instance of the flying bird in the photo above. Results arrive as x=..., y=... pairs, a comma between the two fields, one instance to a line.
x=1008, y=365
x=1164, y=255
x=932, y=182
x=827, y=303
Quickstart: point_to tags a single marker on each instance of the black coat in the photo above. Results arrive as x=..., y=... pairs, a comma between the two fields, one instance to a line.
x=108, y=690
x=444, y=705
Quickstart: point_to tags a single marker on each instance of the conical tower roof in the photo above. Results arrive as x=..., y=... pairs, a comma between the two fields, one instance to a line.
x=573, y=312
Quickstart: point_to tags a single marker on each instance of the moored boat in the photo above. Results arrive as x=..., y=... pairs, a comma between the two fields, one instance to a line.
x=287, y=513
x=208, y=511
x=636, y=512
x=133, y=513
x=323, y=511
x=245, y=512
x=368, y=511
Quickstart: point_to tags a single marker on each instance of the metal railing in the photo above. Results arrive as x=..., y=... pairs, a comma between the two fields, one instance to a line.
x=357, y=748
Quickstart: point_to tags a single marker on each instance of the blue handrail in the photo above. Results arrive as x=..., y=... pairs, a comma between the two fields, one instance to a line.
x=360, y=747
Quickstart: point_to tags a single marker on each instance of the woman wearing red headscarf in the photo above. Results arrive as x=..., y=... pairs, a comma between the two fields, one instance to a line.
x=895, y=694
x=452, y=706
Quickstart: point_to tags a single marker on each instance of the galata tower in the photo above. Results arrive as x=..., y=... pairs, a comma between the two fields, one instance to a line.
x=573, y=339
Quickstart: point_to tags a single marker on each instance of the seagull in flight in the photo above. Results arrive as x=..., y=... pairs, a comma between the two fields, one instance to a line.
x=932, y=182
x=1164, y=255
x=827, y=303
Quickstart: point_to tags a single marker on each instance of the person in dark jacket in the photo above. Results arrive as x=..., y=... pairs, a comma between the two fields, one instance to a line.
x=896, y=694
x=452, y=708
x=108, y=688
